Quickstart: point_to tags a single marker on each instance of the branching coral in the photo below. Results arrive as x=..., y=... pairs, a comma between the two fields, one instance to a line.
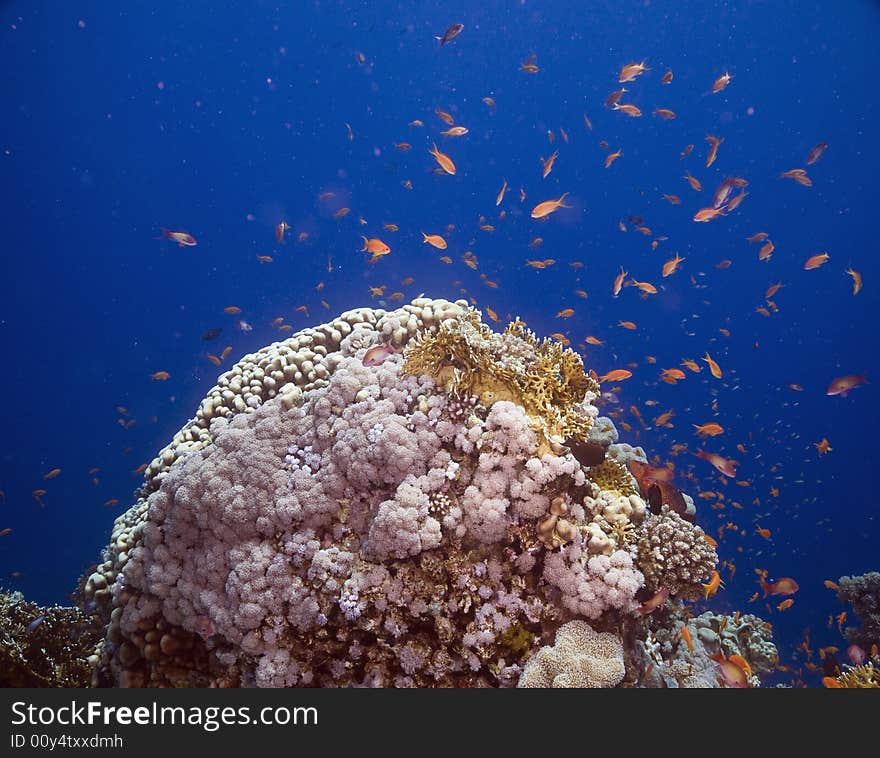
x=545, y=378
x=860, y=677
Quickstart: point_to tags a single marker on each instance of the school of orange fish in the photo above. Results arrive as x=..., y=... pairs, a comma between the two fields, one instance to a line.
x=728, y=196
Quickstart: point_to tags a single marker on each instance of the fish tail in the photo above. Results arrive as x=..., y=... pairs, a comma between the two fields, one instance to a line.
x=366, y=241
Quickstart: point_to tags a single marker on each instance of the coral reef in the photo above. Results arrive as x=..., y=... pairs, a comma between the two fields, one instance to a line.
x=674, y=554
x=581, y=657
x=860, y=677
x=669, y=661
x=863, y=594
x=45, y=647
x=328, y=519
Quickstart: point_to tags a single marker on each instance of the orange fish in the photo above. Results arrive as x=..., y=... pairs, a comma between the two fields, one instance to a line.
x=264, y=258
x=823, y=446
x=444, y=116
x=214, y=359
x=435, y=240
x=280, y=230
x=501, y=193
x=628, y=109
x=657, y=601
x=443, y=160
x=232, y=310
x=160, y=376
x=226, y=351
x=667, y=77
x=785, y=604
x=765, y=533
x=492, y=314
x=721, y=82
x=664, y=113
x=709, y=430
x=455, y=131
x=757, y=237
x=52, y=474
x=594, y=341
x=707, y=214
x=565, y=313
x=617, y=375
x=631, y=70
x=816, y=153
x=694, y=182
x=714, y=368
x=6, y=531
x=815, y=261
x=840, y=618
x=857, y=280
x=618, y=282
x=831, y=585
x=784, y=586
x=692, y=365
x=611, y=157
x=799, y=175
x=376, y=355
x=714, y=142
x=631, y=325
x=548, y=164
x=529, y=65
x=375, y=246
x=724, y=466
x=490, y=102
x=843, y=384
x=671, y=266
x=181, y=238
x=766, y=251
x=549, y=206
x=672, y=375
x=711, y=588
x=685, y=634
x=831, y=683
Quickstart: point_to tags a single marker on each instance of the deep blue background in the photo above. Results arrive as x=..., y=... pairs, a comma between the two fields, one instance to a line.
x=223, y=118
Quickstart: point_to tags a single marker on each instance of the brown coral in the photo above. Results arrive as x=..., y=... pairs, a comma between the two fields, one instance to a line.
x=468, y=358
x=614, y=477
x=860, y=677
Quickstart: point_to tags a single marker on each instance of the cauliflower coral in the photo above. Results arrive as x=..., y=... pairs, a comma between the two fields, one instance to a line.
x=324, y=521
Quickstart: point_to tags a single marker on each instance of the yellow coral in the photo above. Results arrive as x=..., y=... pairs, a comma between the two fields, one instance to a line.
x=542, y=376
x=613, y=476
x=861, y=677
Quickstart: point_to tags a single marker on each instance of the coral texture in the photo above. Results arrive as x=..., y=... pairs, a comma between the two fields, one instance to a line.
x=325, y=521
x=674, y=554
x=581, y=657
x=863, y=594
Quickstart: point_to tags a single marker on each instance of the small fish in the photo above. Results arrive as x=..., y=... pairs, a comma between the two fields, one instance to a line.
x=816, y=153
x=799, y=175
x=714, y=368
x=714, y=142
x=757, y=237
x=5, y=531
x=766, y=251
x=455, y=131
x=694, y=182
x=823, y=446
x=631, y=325
x=591, y=340
x=377, y=354
x=723, y=465
x=815, y=261
x=501, y=192
x=529, y=66
x=711, y=429
x=375, y=246
x=721, y=82
x=490, y=102
x=843, y=384
x=435, y=240
x=664, y=113
x=617, y=375
x=160, y=376
x=548, y=164
x=667, y=77
x=632, y=70
x=784, y=586
x=587, y=453
x=443, y=160
x=671, y=266
x=232, y=310
x=711, y=588
x=831, y=585
x=655, y=602
x=181, y=238
x=349, y=132
x=565, y=313
x=265, y=258
x=785, y=604
x=611, y=157
x=857, y=280
x=630, y=110
x=549, y=206
x=52, y=474
x=280, y=230
x=450, y=34
x=618, y=282
x=672, y=199
x=765, y=533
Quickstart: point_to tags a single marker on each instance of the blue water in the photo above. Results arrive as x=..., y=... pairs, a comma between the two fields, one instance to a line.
x=221, y=119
